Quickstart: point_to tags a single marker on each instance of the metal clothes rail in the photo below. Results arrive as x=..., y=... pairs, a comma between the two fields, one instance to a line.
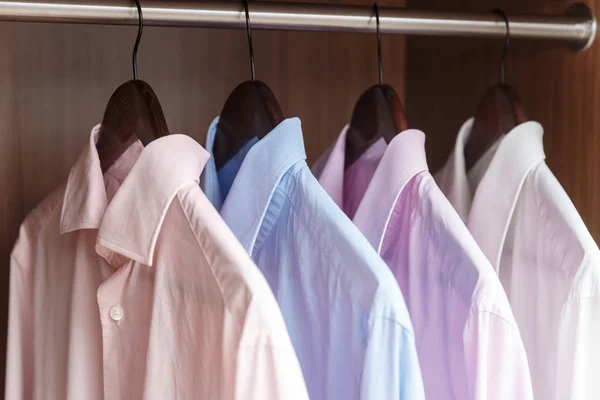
x=575, y=28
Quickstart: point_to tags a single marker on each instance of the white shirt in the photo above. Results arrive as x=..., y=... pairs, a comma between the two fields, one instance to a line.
x=468, y=342
x=545, y=257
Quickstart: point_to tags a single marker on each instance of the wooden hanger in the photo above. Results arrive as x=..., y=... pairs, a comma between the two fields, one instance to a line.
x=250, y=111
x=378, y=113
x=497, y=114
x=133, y=112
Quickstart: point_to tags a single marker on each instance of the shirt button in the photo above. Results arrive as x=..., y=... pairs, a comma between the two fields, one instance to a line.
x=116, y=313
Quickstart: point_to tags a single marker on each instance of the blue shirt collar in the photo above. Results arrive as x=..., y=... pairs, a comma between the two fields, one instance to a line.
x=209, y=181
x=265, y=163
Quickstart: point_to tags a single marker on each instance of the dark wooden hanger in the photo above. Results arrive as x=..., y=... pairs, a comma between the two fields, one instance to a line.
x=497, y=114
x=378, y=113
x=133, y=112
x=250, y=111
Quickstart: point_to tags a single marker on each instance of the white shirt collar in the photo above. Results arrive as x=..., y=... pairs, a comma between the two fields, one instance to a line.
x=519, y=151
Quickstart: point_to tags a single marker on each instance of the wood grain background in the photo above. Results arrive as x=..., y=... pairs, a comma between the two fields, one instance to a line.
x=55, y=81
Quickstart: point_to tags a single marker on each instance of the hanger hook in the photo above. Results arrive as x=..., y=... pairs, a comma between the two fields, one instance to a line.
x=506, y=43
x=379, y=57
x=138, y=39
x=250, y=46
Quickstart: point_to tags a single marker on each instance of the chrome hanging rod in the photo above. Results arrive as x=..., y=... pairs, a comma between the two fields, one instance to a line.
x=576, y=28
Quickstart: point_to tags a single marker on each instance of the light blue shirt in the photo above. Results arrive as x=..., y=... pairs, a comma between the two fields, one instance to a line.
x=342, y=306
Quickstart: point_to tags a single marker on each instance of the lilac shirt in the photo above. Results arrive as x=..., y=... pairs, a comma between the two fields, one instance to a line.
x=468, y=343
x=344, y=311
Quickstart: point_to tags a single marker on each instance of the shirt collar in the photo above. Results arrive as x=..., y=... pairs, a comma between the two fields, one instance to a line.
x=403, y=159
x=261, y=171
x=452, y=178
x=330, y=169
x=135, y=215
x=130, y=223
x=487, y=213
x=496, y=195
x=210, y=178
x=85, y=198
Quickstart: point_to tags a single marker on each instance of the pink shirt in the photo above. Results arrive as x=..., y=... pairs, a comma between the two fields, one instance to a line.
x=545, y=257
x=130, y=286
x=468, y=343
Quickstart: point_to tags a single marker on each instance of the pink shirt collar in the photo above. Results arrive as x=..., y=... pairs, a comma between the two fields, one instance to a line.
x=130, y=223
x=521, y=150
x=332, y=175
x=403, y=159
x=329, y=169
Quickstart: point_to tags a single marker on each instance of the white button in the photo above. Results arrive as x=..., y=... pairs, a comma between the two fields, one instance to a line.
x=116, y=313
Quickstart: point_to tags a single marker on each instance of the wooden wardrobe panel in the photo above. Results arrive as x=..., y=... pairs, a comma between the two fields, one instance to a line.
x=56, y=81
x=446, y=79
x=11, y=192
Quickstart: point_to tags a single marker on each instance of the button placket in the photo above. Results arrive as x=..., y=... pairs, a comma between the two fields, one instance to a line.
x=111, y=296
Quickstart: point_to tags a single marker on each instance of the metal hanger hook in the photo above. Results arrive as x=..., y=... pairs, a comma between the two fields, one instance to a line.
x=379, y=56
x=138, y=39
x=506, y=43
x=250, y=46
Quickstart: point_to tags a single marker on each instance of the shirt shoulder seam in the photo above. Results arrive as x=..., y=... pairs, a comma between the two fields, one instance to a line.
x=18, y=263
x=404, y=328
x=269, y=345
x=512, y=324
x=38, y=219
x=57, y=196
x=578, y=297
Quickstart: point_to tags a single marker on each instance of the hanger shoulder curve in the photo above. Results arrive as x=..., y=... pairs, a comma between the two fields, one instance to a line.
x=133, y=112
x=378, y=113
x=499, y=111
x=250, y=111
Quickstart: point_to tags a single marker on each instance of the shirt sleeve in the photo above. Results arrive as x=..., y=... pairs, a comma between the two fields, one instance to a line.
x=267, y=372
x=495, y=358
x=19, y=359
x=391, y=370
x=578, y=358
